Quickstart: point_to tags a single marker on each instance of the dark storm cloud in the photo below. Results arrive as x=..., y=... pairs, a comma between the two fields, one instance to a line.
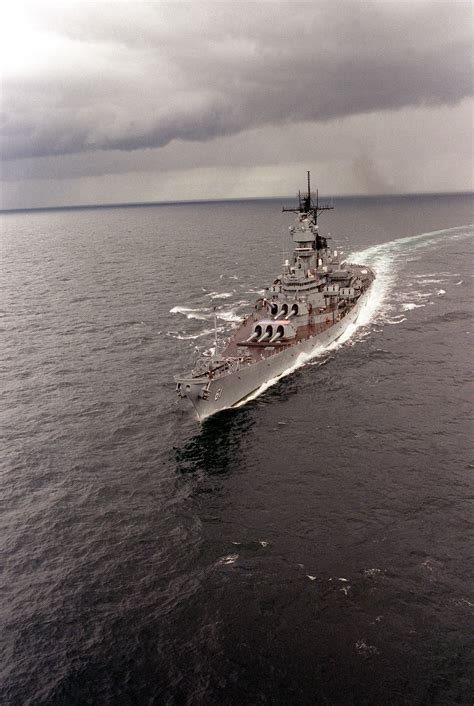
x=131, y=77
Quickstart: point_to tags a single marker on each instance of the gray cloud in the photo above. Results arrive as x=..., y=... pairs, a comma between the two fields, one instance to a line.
x=131, y=77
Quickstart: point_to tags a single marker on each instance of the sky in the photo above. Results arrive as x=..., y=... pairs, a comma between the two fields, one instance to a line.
x=118, y=102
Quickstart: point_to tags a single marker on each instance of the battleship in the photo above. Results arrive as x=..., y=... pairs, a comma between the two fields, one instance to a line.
x=306, y=308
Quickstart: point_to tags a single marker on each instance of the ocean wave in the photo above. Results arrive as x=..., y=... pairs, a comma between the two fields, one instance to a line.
x=190, y=336
x=229, y=316
x=396, y=320
x=205, y=313
x=220, y=295
x=191, y=313
x=229, y=559
x=431, y=281
x=411, y=305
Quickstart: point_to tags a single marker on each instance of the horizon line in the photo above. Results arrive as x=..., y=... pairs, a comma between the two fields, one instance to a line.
x=137, y=204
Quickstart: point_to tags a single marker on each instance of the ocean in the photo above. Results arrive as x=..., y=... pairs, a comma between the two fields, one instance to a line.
x=311, y=547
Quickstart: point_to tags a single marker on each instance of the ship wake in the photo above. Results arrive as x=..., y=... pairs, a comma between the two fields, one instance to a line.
x=389, y=260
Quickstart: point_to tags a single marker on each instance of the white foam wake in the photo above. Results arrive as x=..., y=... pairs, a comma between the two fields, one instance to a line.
x=230, y=316
x=411, y=305
x=387, y=258
x=220, y=295
x=205, y=314
x=191, y=336
x=414, y=242
x=190, y=313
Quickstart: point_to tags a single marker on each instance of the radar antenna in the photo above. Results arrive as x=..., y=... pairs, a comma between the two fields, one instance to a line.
x=307, y=205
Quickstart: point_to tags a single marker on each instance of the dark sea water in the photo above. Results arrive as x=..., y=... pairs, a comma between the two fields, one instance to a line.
x=311, y=547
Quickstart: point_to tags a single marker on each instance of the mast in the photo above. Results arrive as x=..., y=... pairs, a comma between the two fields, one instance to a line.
x=306, y=205
x=215, y=333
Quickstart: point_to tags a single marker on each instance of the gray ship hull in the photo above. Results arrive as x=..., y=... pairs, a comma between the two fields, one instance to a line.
x=234, y=388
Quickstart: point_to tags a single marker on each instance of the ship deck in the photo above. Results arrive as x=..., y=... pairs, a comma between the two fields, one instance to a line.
x=238, y=345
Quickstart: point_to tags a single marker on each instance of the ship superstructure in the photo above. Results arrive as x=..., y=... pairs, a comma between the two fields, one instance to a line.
x=309, y=305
